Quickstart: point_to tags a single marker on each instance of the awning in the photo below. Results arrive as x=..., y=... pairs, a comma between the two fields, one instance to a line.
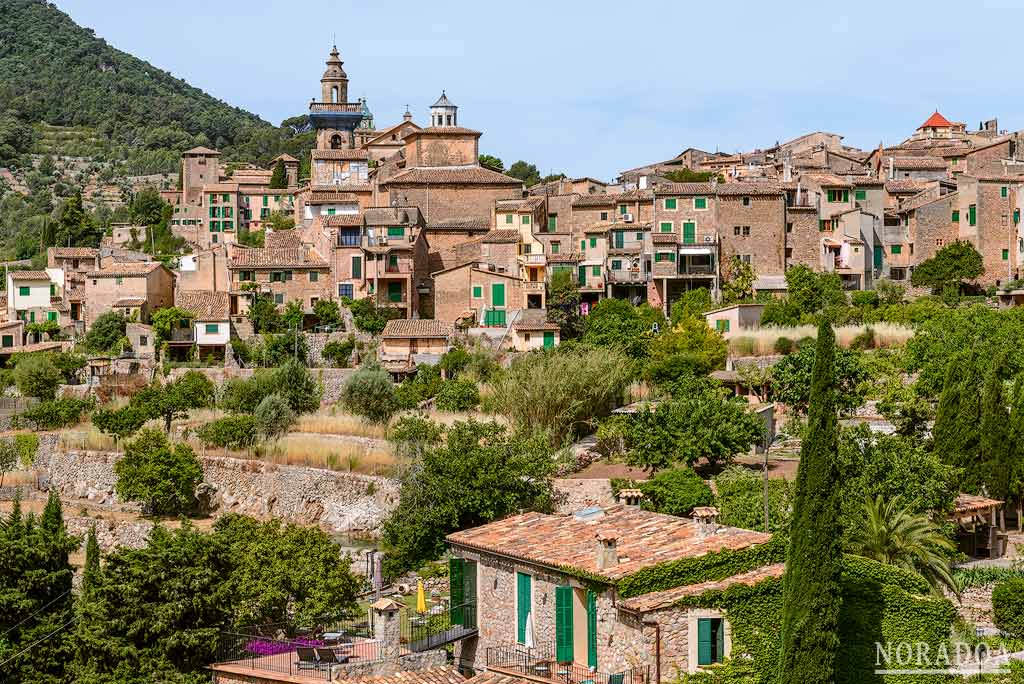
x=695, y=249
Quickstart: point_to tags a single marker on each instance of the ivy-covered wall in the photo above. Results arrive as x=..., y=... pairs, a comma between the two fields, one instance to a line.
x=880, y=604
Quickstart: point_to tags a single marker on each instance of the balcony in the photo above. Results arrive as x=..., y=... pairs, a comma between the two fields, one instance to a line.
x=664, y=238
x=628, y=277
x=540, y=664
x=534, y=259
x=182, y=335
x=625, y=248
x=355, y=107
x=533, y=285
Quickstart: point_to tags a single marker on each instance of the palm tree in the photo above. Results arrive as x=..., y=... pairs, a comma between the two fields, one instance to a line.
x=893, y=535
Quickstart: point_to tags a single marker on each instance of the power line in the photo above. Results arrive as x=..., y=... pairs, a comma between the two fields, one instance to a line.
x=36, y=613
x=38, y=641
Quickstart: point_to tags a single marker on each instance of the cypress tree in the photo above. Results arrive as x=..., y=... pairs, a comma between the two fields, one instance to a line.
x=956, y=435
x=279, y=178
x=1013, y=487
x=811, y=587
x=994, y=440
x=92, y=559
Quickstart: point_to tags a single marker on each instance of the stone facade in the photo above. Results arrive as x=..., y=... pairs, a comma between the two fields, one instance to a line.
x=761, y=220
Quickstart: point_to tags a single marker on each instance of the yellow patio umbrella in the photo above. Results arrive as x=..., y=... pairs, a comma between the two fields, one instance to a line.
x=421, y=598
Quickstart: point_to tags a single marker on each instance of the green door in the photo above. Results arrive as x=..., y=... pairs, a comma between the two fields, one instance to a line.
x=879, y=251
x=498, y=294
x=704, y=641
x=582, y=273
x=456, y=588
x=549, y=339
x=469, y=594
x=563, y=624
x=689, y=233
x=619, y=237
x=523, y=594
x=592, y=630
x=394, y=292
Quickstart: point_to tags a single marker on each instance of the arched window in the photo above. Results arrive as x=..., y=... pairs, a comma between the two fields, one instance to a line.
x=334, y=93
x=335, y=142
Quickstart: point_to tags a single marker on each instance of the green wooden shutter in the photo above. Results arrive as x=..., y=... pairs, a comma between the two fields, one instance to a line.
x=523, y=602
x=972, y=214
x=619, y=238
x=719, y=641
x=357, y=267
x=469, y=593
x=879, y=252
x=689, y=233
x=582, y=274
x=456, y=586
x=592, y=630
x=395, y=292
x=549, y=339
x=563, y=624
x=703, y=641
x=498, y=294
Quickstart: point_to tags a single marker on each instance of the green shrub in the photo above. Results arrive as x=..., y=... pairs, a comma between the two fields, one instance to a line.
x=37, y=376
x=740, y=500
x=865, y=340
x=454, y=361
x=120, y=423
x=370, y=393
x=273, y=416
x=457, y=395
x=231, y=432
x=106, y=333
x=338, y=352
x=1008, y=605
x=743, y=346
x=53, y=415
x=783, y=345
x=160, y=475
x=676, y=492
x=27, y=446
x=420, y=387
x=863, y=298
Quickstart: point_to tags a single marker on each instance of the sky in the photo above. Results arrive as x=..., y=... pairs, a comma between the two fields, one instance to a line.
x=593, y=88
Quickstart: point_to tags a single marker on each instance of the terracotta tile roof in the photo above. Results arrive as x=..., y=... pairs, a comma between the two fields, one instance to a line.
x=539, y=325
x=288, y=257
x=384, y=216
x=684, y=189
x=502, y=235
x=126, y=268
x=435, y=675
x=75, y=252
x=455, y=175
x=828, y=180
x=460, y=224
x=203, y=304
x=286, y=158
x=936, y=120
x=129, y=302
x=342, y=220
x=493, y=677
x=445, y=130
x=761, y=189
x=594, y=201
x=634, y=195
x=333, y=197
x=528, y=204
x=919, y=163
x=201, y=150
x=353, y=155
x=568, y=541
x=969, y=503
x=279, y=239
x=29, y=275
x=663, y=599
x=905, y=185
x=919, y=200
x=864, y=181
x=417, y=327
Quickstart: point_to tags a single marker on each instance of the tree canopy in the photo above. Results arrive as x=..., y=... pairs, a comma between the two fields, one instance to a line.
x=949, y=268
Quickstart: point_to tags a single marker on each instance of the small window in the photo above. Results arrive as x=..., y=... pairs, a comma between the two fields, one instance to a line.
x=700, y=202
x=604, y=215
x=24, y=291
x=552, y=222
x=1006, y=254
x=666, y=227
x=746, y=201
x=623, y=209
x=897, y=249
x=736, y=230
x=746, y=231
x=51, y=315
x=583, y=245
x=508, y=218
x=554, y=247
x=279, y=298
x=710, y=641
x=526, y=219
x=956, y=216
x=789, y=227
x=722, y=325
x=313, y=276
x=7, y=341
x=639, y=236
x=1003, y=191
x=593, y=242
x=143, y=341
x=670, y=203
x=212, y=328
x=478, y=291
x=860, y=194
x=595, y=271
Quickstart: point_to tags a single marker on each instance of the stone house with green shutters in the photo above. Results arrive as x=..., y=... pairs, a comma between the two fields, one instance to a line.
x=560, y=583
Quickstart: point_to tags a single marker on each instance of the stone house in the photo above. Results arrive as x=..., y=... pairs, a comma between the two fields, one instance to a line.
x=133, y=288
x=286, y=274
x=32, y=297
x=209, y=328
x=752, y=226
x=480, y=292
x=988, y=212
x=556, y=581
x=530, y=335
x=733, y=320
x=405, y=343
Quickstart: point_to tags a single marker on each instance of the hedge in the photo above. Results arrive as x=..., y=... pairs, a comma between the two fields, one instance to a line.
x=1008, y=605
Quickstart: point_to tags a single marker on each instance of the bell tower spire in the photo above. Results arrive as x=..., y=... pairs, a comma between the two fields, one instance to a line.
x=334, y=84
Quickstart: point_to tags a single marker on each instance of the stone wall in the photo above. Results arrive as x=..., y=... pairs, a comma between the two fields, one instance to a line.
x=571, y=495
x=332, y=380
x=316, y=343
x=337, y=502
x=111, y=534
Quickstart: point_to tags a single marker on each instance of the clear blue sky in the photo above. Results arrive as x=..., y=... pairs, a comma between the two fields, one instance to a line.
x=591, y=88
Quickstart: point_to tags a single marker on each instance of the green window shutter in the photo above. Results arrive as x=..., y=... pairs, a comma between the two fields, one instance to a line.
x=616, y=265
x=595, y=271
x=563, y=625
x=618, y=239
x=846, y=195
x=51, y=315
x=1003, y=191
x=523, y=603
x=956, y=216
x=1006, y=254
x=704, y=641
x=478, y=292
x=593, y=243
x=7, y=341
x=357, y=267
x=879, y=255
x=554, y=247
x=719, y=655
x=670, y=203
x=666, y=227
x=498, y=294
x=53, y=287
x=689, y=233
x=213, y=198
x=583, y=245
x=972, y=215
x=508, y=218
x=591, y=607
x=266, y=199
x=31, y=316
x=393, y=261
x=582, y=274
x=456, y=588
x=897, y=249
x=212, y=328
x=396, y=231
x=623, y=209
x=700, y=202
x=860, y=194
x=672, y=257
x=314, y=277
x=639, y=236
x=552, y=222
x=526, y=220
x=1016, y=216
x=394, y=292
x=549, y=339
x=23, y=291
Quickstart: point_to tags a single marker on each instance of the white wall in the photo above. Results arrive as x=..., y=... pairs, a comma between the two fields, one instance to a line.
x=222, y=335
x=38, y=297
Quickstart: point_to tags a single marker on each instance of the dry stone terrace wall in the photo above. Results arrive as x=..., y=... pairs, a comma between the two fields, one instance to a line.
x=331, y=379
x=337, y=502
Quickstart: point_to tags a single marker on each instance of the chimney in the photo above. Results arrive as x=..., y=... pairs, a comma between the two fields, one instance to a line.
x=706, y=519
x=607, y=555
x=787, y=170
x=630, y=497
x=799, y=192
x=892, y=171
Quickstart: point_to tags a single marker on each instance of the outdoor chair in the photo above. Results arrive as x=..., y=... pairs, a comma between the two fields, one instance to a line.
x=329, y=657
x=307, y=658
x=617, y=678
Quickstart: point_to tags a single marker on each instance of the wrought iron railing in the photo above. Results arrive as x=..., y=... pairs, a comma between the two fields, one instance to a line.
x=540, y=662
x=432, y=630
x=262, y=654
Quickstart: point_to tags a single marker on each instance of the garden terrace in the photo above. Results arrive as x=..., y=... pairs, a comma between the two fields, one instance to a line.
x=541, y=665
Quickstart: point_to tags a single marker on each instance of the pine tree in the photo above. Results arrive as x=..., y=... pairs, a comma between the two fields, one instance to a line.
x=994, y=440
x=92, y=560
x=279, y=178
x=811, y=589
x=956, y=435
x=1013, y=486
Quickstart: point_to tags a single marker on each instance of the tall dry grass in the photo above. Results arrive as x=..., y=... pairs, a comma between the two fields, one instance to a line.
x=333, y=454
x=761, y=341
x=329, y=423
x=86, y=438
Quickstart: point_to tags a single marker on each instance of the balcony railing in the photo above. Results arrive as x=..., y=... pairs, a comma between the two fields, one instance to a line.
x=534, y=259
x=428, y=631
x=355, y=107
x=533, y=285
x=631, y=276
x=625, y=248
x=541, y=663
